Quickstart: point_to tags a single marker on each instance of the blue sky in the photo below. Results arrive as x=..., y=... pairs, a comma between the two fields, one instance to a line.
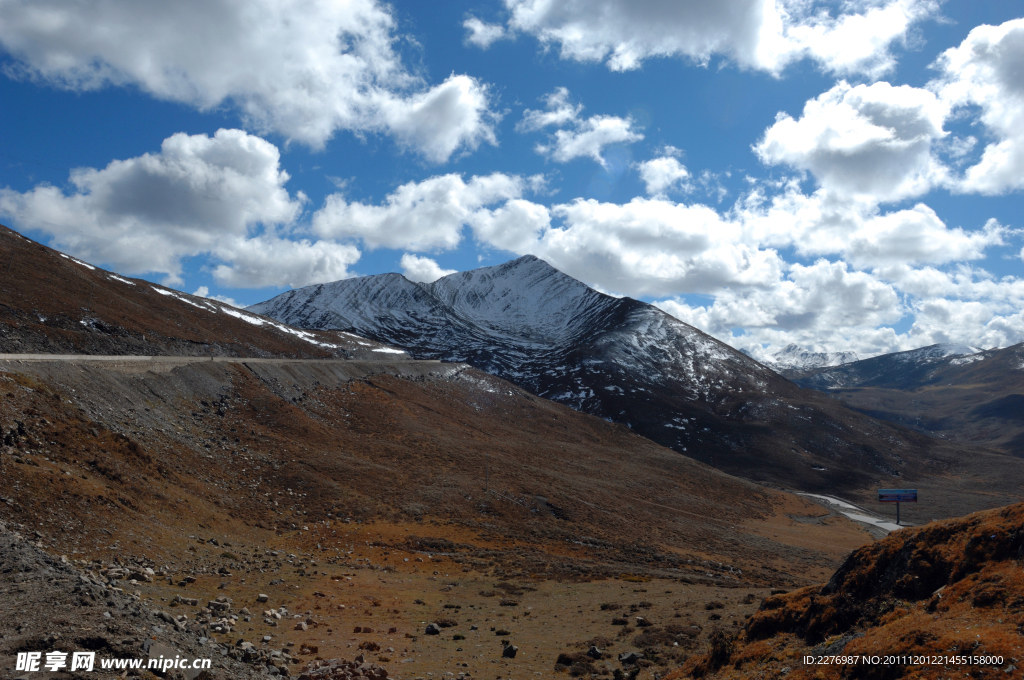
x=843, y=176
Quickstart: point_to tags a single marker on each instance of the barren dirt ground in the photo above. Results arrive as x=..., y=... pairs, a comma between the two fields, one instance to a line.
x=358, y=578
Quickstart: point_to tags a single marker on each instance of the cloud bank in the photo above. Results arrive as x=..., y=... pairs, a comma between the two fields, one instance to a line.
x=302, y=68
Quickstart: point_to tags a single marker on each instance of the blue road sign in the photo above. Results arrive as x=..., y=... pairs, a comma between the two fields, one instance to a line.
x=897, y=495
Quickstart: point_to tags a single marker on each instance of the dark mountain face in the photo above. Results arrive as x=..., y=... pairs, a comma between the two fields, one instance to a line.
x=625, y=361
x=973, y=398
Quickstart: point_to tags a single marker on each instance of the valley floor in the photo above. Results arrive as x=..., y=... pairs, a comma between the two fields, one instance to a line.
x=351, y=495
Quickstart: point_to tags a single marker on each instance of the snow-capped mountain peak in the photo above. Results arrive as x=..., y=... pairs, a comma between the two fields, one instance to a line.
x=526, y=298
x=617, y=358
x=939, y=351
x=794, y=357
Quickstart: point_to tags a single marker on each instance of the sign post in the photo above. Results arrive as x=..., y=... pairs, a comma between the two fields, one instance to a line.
x=897, y=496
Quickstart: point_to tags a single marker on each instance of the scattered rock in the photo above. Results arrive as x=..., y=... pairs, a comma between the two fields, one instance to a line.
x=509, y=652
x=331, y=669
x=433, y=629
x=630, y=658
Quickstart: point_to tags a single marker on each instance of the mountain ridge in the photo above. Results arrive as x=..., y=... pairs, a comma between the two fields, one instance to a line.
x=908, y=369
x=628, y=362
x=53, y=303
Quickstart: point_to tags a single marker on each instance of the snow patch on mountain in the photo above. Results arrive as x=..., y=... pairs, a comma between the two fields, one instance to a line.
x=203, y=307
x=76, y=261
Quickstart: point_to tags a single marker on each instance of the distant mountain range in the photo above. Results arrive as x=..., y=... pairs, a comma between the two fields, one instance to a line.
x=901, y=370
x=625, y=361
x=795, y=358
x=794, y=361
x=952, y=391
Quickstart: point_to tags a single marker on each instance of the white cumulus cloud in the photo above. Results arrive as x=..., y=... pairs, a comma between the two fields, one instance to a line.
x=766, y=35
x=985, y=71
x=970, y=322
x=653, y=247
x=589, y=138
x=558, y=111
x=811, y=305
x=419, y=215
x=514, y=226
x=821, y=224
x=422, y=269
x=198, y=195
x=303, y=68
x=661, y=174
x=483, y=34
x=586, y=139
x=443, y=119
x=868, y=140
x=882, y=142
x=270, y=261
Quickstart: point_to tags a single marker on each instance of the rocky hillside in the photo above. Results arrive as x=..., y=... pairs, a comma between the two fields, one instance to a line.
x=51, y=303
x=628, y=362
x=98, y=617
x=942, y=600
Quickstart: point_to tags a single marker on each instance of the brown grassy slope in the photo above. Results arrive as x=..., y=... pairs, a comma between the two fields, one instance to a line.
x=52, y=304
x=948, y=588
x=149, y=455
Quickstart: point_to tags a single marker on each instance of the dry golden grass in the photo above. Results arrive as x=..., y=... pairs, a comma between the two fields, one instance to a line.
x=922, y=595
